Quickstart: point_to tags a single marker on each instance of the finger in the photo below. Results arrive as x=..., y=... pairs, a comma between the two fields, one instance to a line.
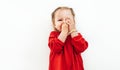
x=68, y=22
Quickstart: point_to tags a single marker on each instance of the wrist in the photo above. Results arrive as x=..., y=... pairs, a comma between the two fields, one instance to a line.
x=64, y=32
x=73, y=30
x=73, y=33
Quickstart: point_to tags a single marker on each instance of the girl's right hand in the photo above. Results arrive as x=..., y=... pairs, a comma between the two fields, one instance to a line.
x=65, y=27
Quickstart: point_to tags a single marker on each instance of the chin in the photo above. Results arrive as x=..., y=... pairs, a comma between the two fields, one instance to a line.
x=59, y=30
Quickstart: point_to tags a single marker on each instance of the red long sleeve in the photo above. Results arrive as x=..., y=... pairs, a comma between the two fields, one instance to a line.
x=65, y=56
x=54, y=43
x=79, y=43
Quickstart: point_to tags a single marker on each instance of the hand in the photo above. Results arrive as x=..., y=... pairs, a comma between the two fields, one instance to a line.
x=71, y=24
x=64, y=33
x=65, y=27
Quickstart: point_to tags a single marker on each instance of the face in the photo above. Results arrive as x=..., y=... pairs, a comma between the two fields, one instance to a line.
x=61, y=17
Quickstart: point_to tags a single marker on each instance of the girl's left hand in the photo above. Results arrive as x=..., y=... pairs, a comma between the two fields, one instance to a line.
x=71, y=24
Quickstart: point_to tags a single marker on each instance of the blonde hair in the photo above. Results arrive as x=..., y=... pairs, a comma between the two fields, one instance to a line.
x=53, y=14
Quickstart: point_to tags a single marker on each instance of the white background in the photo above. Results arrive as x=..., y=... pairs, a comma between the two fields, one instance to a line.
x=25, y=26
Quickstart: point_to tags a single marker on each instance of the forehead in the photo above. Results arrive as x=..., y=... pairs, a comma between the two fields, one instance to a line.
x=63, y=13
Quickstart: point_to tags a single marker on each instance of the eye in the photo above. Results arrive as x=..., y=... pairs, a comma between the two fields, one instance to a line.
x=59, y=19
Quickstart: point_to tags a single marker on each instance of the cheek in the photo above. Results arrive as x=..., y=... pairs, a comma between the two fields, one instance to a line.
x=58, y=25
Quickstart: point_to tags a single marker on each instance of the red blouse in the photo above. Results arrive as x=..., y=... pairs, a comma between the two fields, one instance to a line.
x=67, y=55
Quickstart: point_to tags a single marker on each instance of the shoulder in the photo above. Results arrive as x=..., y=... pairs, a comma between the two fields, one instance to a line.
x=54, y=33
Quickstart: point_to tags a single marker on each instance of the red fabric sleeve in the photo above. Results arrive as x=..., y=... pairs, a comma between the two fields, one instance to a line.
x=54, y=43
x=79, y=43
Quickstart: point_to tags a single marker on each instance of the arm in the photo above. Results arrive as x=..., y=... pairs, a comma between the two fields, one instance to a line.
x=64, y=32
x=56, y=43
x=62, y=36
x=78, y=42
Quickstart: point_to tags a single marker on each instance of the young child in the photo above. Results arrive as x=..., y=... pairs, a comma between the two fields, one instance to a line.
x=65, y=42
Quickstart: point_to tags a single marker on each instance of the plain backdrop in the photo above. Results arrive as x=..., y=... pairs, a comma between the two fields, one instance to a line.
x=25, y=26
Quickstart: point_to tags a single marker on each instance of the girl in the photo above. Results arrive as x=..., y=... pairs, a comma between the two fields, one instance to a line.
x=65, y=42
